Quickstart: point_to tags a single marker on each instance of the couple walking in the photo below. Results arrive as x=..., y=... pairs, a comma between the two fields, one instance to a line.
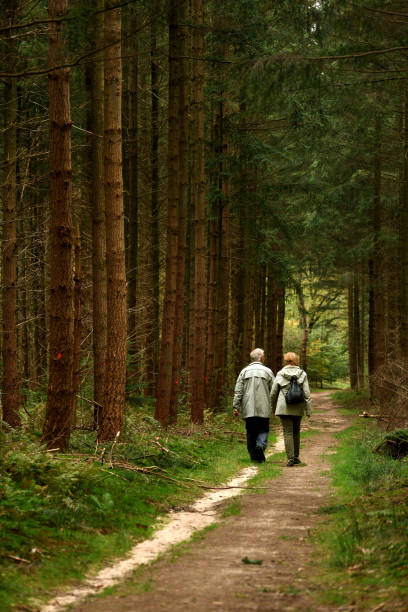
x=258, y=394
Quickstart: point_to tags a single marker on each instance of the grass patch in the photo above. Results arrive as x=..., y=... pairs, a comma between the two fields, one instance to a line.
x=232, y=507
x=362, y=549
x=64, y=515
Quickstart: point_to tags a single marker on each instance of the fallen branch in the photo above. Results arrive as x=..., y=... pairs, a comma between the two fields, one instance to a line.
x=19, y=559
x=365, y=415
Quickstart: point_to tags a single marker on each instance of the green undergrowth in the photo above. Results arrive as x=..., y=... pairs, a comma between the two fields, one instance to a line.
x=62, y=515
x=362, y=545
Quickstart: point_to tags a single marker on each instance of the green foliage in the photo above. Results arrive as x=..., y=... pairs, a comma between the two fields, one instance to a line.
x=366, y=527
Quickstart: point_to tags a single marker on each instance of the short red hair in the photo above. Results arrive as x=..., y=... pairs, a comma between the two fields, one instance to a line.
x=291, y=359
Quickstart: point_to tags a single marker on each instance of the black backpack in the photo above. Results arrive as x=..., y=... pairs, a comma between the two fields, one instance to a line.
x=295, y=394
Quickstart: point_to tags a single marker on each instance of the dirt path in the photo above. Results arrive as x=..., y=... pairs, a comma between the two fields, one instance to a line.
x=271, y=527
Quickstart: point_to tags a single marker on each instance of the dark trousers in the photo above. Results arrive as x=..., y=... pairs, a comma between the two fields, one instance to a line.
x=291, y=435
x=257, y=429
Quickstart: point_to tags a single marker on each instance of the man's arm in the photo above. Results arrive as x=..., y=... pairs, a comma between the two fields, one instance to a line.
x=274, y=394
x=238, y=393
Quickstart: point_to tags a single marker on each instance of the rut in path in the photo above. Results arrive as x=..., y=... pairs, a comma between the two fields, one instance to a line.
x=272, y=527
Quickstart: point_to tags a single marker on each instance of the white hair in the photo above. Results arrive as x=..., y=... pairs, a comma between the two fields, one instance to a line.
x=256, y=354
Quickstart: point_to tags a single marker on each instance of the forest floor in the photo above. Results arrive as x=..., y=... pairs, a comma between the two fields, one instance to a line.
x=259, y=556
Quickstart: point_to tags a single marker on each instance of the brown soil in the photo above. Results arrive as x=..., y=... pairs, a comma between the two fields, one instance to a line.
x=271, y=527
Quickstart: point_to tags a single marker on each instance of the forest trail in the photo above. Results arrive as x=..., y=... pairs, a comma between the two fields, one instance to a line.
x=271, y=527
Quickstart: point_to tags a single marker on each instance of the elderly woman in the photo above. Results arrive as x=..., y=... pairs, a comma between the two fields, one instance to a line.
x=291, y=414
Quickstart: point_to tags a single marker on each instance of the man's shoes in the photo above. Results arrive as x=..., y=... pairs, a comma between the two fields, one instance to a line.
x=260, y=453
x=290, y=463
x=296, y=461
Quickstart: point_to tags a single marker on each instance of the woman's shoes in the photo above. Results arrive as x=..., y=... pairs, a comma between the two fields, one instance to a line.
x=292, y=462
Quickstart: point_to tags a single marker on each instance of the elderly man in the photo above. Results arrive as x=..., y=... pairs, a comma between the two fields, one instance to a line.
x=252, y=402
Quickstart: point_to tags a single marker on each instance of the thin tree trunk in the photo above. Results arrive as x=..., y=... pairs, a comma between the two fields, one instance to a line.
x=272, y=312
x=153, y=333
x=115, y=373
x=76, y=370
x=351, y=337
x=357, y=326
x=198, y=350
x=97, y=205
x=280, y=327
x=133, y=195
x=56, y=429
x=165, y=381
x=378, y=313
x=182, y=213
x=10, y=385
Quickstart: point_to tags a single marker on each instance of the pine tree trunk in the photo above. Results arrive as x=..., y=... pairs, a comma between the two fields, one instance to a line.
x=153, y=332
x=351, y=338
x=222, y=294
x=198, y=349
x=403, y=238
x=166, y=382
x=271, y=321
x=280, y=327
x=10, y=384
x=97, y=206
x=235, y=275
x=378, y=312
x=133, y=196
x=182, y=214
x=76, y=370
x=115, y=373
x=357, y=328
x=56, y=429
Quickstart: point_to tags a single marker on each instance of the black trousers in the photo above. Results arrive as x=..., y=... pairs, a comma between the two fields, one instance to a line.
x=257, y=429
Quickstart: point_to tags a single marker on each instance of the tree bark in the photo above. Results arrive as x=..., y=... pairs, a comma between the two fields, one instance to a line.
x=56, y=429
x=97, y=209
x=280, y=323
x=76, y=369
x=10, y=383
x=198, y=350
x=352, y=337
x=272, y=313
x=115, y=373
x=133, y=195
x=182, y=213
x=153, y=332
x=166, y=381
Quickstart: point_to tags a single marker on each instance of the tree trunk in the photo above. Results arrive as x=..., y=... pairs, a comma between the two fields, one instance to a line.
x=280, y=327
x=115, y=373
x=97, y=206
x=76, y=369
x=352, y=337
x=182, y=212
x=133, y=198
x=166, y=382
x=272, y=312
x=357, y=328
x=10, y=386
x=56, y=429
x=198, y=350
x=153, y=332
x=304, y=324
x=378, y=311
